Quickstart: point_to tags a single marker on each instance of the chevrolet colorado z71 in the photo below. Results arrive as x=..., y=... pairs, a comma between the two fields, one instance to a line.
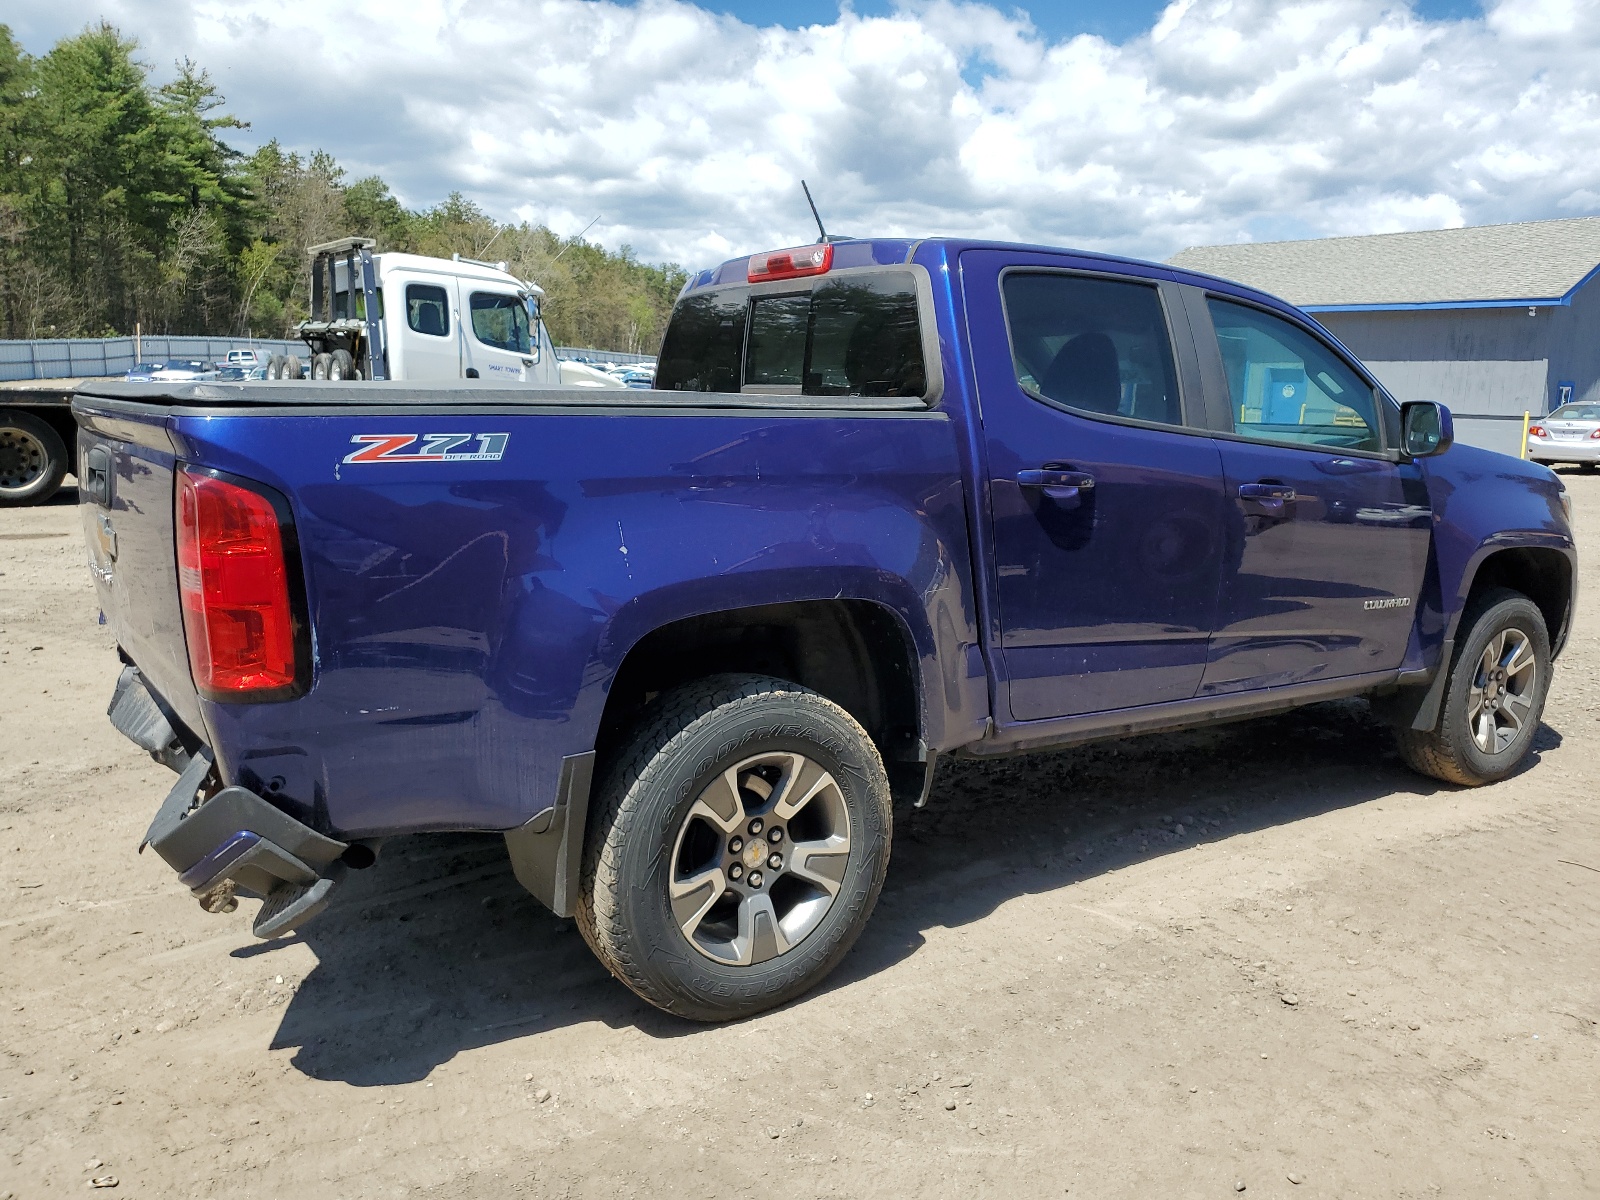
x=892, y=500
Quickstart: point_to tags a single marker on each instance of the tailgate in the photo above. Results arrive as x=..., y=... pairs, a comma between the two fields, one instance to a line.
x=125, y=499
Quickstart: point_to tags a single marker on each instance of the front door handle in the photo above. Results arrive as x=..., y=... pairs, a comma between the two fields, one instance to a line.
x=1066, y=488
x=1270, y=496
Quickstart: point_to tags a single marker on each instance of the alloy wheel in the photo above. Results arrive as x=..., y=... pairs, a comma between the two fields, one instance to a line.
x=1500, y=697
x=759, y=859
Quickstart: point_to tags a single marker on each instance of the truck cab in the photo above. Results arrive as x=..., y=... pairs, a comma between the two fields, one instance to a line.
x=432, y=319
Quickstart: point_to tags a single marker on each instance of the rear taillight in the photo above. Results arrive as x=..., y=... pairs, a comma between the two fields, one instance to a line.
x=1535, y=430
x=790, y=264
x=1595, y=434
x=234, y=581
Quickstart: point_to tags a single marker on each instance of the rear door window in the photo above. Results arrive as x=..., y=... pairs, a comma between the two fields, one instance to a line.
x=1099, y=347
x=427, y=309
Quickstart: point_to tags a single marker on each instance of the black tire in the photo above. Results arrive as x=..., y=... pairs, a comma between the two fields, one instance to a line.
x=1450, y=751
x=341, y=365
x=275, y=367
x=321, y=364
x=294, y=367
x=33, y=459
x=639, y=834
x=1586, y=467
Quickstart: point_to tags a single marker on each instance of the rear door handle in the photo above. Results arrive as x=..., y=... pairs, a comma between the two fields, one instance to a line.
x=1066, y=488
x=1270, y=496
x=1051, y=477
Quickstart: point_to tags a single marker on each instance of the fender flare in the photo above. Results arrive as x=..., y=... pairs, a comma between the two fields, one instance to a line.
x=1418, y=707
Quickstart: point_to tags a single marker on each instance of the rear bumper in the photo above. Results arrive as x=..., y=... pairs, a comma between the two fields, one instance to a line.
x=1559, y=450
x=233, y=841
x=225, y=841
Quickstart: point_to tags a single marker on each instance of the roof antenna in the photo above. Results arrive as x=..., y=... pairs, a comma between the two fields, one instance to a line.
x=823, y=235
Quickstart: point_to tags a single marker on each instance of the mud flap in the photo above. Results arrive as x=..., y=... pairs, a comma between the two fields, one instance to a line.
x=547, y=852
x=1418, y=707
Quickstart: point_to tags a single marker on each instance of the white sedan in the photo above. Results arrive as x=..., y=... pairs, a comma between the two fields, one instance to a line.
x=1571, y=434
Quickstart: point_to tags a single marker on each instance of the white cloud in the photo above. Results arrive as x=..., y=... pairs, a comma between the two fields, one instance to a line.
x=688, y=132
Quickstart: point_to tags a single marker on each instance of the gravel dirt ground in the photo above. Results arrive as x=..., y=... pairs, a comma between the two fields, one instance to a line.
x=1170, y=967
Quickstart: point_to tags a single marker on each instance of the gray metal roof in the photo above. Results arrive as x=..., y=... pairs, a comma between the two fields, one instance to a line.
x=1484, y=264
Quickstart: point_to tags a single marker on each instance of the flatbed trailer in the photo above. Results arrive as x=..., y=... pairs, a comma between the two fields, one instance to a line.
x=38, y=438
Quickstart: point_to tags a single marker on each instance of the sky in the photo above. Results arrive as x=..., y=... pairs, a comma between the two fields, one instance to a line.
x=1134, y=127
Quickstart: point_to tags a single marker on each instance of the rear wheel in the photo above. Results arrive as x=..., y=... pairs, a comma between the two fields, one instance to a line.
x=275, y=367
x=1587, y=466
x=341, y=365
x=293, y=367
x=321, y=365
x=737, y=849
x=33, y=459
x=1494, y=695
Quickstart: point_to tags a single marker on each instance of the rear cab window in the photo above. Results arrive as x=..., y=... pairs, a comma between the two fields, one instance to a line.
x=853, y=333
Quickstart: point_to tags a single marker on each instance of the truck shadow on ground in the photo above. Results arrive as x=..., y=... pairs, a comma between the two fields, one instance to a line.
x=437, y=949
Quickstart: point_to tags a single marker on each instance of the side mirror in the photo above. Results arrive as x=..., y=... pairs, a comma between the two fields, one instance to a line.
x=1426, y=428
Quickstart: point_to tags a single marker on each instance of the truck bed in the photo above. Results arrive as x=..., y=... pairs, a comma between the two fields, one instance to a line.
x=469, y=609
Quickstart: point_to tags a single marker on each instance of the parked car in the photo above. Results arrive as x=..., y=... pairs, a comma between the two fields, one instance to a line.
x=892, y=501
x=181, y=369
x=1571, y=434
x=247, y=359
x=143, y=372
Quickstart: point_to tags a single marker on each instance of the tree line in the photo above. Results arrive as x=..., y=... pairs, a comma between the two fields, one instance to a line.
x=122, y=202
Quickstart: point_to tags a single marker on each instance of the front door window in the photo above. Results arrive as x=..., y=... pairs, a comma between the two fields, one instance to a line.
x=1285, y=386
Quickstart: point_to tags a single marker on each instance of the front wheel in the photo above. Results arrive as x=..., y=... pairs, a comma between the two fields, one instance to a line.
x=737, y=849
x=1493, y=696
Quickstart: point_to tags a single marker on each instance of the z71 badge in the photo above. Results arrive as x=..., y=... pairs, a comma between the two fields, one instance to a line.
x=434, y=447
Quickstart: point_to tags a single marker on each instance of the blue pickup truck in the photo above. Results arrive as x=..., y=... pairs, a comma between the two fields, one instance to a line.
x=688, y=648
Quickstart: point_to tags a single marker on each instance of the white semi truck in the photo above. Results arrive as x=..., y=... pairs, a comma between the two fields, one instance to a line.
x=410, y=317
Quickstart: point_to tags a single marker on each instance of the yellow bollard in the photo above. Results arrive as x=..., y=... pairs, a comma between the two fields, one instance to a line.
x=1525, y=434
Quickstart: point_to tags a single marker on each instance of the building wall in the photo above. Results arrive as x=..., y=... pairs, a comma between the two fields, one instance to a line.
x=1575, y=347
x=1483, y=362
x=1490, y=365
